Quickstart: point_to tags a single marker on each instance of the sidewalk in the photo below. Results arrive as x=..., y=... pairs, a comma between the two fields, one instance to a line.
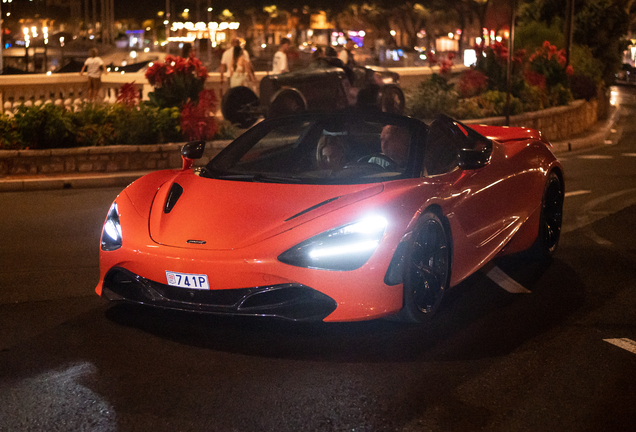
x=597, y=135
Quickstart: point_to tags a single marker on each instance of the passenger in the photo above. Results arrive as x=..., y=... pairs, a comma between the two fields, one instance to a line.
x=330, y=153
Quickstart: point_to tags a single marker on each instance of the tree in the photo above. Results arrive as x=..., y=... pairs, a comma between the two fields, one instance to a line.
x=411, y=18
x=598, y=24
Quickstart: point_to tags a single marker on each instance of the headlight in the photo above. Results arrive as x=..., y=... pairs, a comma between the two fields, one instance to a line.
x=111, y=234
x=344, y=248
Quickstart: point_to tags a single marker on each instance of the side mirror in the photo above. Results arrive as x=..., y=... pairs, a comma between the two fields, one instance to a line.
x=470, y=159
x=190, y=152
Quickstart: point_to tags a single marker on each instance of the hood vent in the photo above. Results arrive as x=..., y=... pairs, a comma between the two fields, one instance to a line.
x=173, y=196
x=307, y=210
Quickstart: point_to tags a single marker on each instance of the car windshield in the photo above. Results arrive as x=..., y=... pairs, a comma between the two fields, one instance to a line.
x=321, y=150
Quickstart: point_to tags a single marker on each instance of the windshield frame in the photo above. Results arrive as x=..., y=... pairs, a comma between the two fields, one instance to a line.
x=220, y=166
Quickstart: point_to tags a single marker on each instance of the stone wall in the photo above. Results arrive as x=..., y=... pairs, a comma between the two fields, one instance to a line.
x=556, y=124
x=99, y=159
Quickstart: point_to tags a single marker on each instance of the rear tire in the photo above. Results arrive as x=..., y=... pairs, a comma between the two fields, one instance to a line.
x=427, y=273
x=239, y=106
x=286, y=102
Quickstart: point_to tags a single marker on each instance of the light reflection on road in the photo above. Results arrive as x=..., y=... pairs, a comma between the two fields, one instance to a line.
x=55, y=398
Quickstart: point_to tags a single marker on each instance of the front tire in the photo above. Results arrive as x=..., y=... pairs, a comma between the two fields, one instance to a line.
x=551, y=219
x=427, y=273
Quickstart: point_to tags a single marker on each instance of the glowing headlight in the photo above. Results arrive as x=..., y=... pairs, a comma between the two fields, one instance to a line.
x=344, y=248
x=111, y=234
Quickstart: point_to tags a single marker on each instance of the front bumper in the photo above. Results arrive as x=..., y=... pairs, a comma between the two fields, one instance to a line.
x=294, y=302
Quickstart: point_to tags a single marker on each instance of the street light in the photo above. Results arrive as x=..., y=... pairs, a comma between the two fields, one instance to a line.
x=45, y=35
x=511, y=42
x=27, y=41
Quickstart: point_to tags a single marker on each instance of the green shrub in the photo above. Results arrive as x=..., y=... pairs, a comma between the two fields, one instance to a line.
x=584, y=63
x=468, y=108
x=533, y=98
x=583, y=87
x=493, y=104
x=433, y=96
x=44, y=127
x=10, y=138
x=559, y=95
x=226, y=131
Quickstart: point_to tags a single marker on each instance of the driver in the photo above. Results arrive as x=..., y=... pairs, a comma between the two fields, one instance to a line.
x=394, y=141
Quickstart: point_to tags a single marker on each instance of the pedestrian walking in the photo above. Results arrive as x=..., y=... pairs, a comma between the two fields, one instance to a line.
x=227, y=59
x=242, y=73
x=346, y=54
x=280, y=65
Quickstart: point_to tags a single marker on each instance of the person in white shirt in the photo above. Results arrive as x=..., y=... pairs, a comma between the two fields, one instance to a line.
x=279, y=65
x=94, y=66
x=227, y=59
x=346, y=54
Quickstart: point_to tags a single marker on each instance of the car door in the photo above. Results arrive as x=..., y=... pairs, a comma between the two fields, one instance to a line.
x=478, y=197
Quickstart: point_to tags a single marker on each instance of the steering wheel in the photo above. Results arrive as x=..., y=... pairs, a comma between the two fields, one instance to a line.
x=379, y=159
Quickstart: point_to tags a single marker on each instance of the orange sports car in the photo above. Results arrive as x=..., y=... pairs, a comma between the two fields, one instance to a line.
x=335, y=217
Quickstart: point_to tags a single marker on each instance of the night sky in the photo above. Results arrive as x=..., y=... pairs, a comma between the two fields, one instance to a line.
x=147, y=9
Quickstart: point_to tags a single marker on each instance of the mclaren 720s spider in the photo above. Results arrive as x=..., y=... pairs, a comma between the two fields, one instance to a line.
x=334, y=217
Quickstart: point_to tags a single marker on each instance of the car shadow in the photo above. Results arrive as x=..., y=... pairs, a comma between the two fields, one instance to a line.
x=477, y=319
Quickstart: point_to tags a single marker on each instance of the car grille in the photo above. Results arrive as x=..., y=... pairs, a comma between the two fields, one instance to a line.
x=289, y=301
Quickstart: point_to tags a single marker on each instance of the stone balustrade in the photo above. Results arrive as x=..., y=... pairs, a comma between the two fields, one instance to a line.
x=70, y=89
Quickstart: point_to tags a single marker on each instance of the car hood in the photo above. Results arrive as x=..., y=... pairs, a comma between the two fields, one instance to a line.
x=223, y=214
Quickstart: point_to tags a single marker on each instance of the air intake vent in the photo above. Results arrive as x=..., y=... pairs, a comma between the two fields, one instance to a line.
x=173, y=196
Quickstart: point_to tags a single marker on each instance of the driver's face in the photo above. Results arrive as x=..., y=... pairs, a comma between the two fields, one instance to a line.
x=394, y=143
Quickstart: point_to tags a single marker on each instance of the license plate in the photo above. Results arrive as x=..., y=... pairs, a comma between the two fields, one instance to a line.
x=187, y=280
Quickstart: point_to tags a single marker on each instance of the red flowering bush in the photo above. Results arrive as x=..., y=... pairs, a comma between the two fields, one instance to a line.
x=547, y=71
x=445, y=65
x=128, y=95
x=549, y=62
x=492, y=61
x=196, y=121
x=472, y=83
x=176, y=81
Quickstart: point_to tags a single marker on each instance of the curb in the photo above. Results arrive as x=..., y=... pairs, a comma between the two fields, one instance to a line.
x=71, y=182
x=596, y=137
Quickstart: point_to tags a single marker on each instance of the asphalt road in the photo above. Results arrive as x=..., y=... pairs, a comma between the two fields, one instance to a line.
x=560, y=357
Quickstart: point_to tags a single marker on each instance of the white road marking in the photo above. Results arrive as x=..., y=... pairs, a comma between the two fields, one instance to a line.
x=506, y=282
x=578, y=192
x=629, y=154
x=595, y=157
x=608, y=142
x=626, y=344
